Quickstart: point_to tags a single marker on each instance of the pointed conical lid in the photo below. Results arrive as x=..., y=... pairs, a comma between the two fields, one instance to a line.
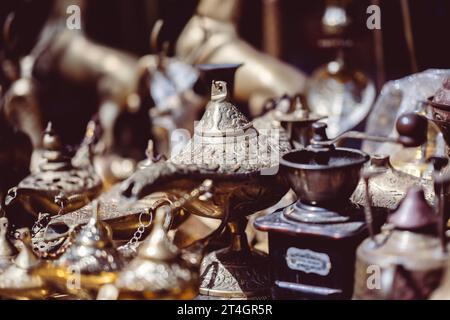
x=95, y=233
x=6, y=249
x=157, y=246
x=221, y=117
x=26, y=258
x=93, y=250
x=55, y=157
x=414, y=212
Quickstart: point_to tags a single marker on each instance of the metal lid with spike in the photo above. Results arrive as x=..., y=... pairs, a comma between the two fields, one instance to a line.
x=414, y=213
x=221, y=117
x=56, y=159
x=93, y=250
x=158, y=246
x=18, y=281
x=7, y=251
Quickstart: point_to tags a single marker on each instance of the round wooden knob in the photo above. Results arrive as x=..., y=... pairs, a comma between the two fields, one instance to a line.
x=412, y=129
x=320, y=131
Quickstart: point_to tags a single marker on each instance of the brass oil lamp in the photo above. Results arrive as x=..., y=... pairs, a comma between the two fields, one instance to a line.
x=407, y=259
x=124, y=219
x=17, y=281
x=89, y=262
x=58, y=187
x=227, y=149
x=160, y=270
x=312, y=243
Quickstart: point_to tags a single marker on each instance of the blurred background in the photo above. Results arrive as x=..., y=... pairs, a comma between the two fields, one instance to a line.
x=127, y=24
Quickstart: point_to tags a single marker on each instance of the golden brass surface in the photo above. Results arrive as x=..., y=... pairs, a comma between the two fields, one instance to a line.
x=160, y=270
x=17, y=281
x=7, y=251
x=229, y=150
x=90, y=262
x=58, y=186
x=390, y=187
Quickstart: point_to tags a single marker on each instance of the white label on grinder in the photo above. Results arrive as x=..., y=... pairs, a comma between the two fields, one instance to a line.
x=308, y=261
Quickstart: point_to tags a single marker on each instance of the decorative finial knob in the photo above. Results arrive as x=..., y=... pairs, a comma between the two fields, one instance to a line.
x=54, y=155
x=219, y=91
x=413, y=129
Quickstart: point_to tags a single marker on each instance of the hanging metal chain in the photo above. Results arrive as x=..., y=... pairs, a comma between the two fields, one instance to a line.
x=131, y=246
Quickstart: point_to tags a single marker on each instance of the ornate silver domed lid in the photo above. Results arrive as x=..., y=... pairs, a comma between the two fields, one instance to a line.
x=17, y=277
x=225, y=141
x=92, y=251
x=159, y=265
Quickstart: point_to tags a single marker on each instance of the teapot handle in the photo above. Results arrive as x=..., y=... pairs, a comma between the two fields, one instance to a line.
x=194, y=252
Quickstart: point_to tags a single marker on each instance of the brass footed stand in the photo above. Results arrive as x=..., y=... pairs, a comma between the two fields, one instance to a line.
x=236, y=272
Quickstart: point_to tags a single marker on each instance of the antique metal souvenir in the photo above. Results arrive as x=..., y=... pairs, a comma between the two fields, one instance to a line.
x=58, y=187
x=90, y=262
x=439, y=106
x=389, y=187
x=211, y=37
x=407, y=259
x=17, y=282
x=396, y=98
x=160, y=270
x=124, y=219
x=294, y=116
x=7, y=251
x=229, y=150
x=312, y=243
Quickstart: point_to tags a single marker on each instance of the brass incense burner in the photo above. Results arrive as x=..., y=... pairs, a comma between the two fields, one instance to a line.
x=58, y=187
x=227, y=149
